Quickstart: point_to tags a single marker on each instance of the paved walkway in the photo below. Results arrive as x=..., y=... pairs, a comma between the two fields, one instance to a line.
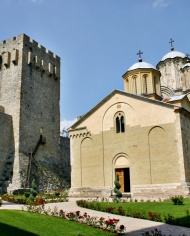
x=134, y=227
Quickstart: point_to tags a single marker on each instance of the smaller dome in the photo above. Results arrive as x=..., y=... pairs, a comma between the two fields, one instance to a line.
x=186, y=65
x=141, y=65
x=173, y=54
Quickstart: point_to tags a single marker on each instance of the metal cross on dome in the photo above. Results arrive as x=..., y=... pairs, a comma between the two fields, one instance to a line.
x=171, y=42
x=139, y=53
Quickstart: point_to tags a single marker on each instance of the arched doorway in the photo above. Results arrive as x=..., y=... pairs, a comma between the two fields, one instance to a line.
x=122, y=168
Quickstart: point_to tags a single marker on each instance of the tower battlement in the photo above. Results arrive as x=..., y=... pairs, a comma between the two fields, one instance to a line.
x=26, y=39
x=24, y=49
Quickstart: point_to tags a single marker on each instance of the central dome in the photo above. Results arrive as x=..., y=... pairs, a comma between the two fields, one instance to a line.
x=173, y=54
x=141, y=65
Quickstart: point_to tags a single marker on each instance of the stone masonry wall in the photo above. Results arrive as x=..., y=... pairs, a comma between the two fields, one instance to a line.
x=65, y=159
x=40, y=96
x=10, y=89
x=6, y=151
x=30, y=93
x=185, y=130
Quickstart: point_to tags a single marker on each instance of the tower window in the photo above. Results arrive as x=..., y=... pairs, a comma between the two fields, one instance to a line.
x=145, y=85
x=135, y=86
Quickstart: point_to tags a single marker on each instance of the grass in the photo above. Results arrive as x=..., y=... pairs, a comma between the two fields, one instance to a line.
x=163, y=211
x=14, y=222
x=162, y=208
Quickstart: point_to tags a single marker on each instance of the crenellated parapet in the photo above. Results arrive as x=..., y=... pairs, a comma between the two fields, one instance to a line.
x=22, y=49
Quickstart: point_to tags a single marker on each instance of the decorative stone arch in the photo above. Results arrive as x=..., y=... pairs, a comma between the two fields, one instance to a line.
x=121, y=166
x=167, y=92
x=86, y=163
x=157, y=158
x=108, y=123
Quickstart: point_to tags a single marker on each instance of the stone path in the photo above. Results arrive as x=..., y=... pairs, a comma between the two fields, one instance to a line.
x=134, y=227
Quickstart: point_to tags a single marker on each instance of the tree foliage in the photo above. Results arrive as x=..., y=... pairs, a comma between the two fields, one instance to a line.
x=118, y=194
x=33, y=192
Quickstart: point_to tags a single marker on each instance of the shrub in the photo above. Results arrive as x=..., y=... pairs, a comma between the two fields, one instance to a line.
x=1, y=201
x=169, y=219
x=26, y=194
x=154, y=217
x=121, y=211
x=177, y=200
x=57, y=194
x=33, y=192
x=116, y=189
x=82, y=203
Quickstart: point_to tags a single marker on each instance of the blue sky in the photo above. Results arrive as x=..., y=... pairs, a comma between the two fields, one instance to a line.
x=97, y=40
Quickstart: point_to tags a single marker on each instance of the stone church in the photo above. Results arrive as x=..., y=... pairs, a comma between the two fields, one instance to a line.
x=141, y=133
x=30, y=142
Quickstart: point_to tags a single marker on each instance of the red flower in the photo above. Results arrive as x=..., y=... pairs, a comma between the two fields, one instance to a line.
x=150, y=214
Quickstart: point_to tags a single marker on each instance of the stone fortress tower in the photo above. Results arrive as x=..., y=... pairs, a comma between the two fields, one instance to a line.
x=30, y=116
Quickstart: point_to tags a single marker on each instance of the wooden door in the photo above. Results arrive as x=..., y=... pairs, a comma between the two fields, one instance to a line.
x=120, y=172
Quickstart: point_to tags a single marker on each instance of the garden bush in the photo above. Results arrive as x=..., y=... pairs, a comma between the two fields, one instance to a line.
x=57, y=194
x=177, y=200
x=26, y=194
x=118, y=194
x=33, y=192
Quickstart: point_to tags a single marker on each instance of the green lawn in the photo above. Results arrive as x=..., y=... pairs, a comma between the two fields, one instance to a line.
x=157, y=207
x=163, y=211
x=14, y=222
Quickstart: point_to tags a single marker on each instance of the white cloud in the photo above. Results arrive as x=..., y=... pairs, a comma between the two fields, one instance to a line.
x=65, y=124
x=160, y=3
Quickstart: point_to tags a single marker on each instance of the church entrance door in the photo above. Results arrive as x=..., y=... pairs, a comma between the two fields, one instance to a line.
x=124, y=179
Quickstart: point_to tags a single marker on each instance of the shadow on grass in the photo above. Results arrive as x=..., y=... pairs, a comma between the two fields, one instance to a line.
x=165, y=230
x=9, y=230
x=183, y=221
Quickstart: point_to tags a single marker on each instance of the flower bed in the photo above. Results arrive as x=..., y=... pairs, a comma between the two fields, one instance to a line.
x=39, y=199
x=110, y=224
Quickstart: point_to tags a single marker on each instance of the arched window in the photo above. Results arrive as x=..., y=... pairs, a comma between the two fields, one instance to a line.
x=120, y=122
x=155, y=82
x=135, y=81
x=134, y=85
x=117, y=125
x=145, y=85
